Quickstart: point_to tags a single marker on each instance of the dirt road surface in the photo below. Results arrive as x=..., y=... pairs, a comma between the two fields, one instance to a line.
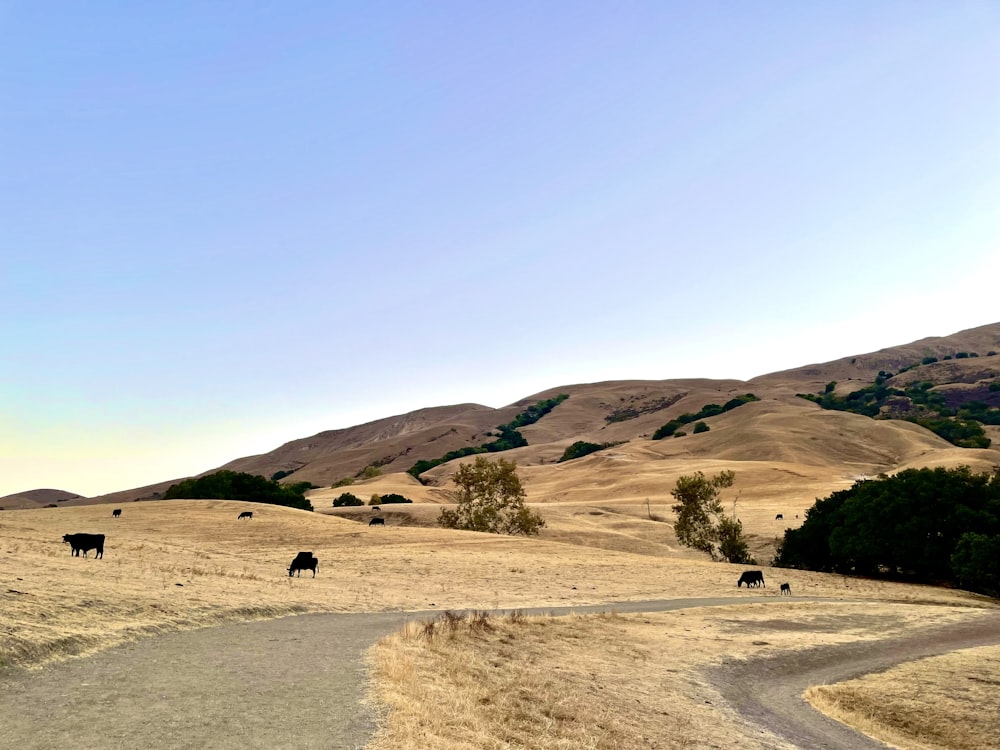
x=297, y=682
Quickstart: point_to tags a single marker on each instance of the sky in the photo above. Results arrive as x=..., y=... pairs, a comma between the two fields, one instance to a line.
x=228, y=225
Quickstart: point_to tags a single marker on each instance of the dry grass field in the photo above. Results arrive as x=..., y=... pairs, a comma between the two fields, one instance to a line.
x=187, y=564
x=620, y=681
x=947, y=702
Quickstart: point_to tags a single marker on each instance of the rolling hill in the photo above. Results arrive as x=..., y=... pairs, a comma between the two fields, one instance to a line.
x=783, y=447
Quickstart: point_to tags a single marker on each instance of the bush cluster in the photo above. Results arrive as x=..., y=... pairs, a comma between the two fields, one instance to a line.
x=919, y=403
x=709, y=410
x=582, y=448
x=507, y=437
x=232, y=485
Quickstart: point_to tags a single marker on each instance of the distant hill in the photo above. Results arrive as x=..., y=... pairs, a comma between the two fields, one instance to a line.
x=36, y=498
x=779, y=434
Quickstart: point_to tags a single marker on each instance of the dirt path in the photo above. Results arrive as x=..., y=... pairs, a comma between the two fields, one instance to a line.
x=768, y=692
x=255, y=685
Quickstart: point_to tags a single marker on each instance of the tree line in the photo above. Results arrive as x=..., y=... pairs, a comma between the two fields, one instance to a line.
x=936, y=525
x=507, y=436
x=233, y=485
x=708, y=410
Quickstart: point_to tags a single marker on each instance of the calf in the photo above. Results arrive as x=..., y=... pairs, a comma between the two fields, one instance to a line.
x=377, y=522
x=786, y=589
x=116, y=513
x=753, y=578
x=245, y=514
x=779, y=517
x=84, y=543
x=303, y=561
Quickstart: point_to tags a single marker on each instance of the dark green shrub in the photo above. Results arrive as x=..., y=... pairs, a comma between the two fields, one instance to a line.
x=231, y=485
x=508, y=436
x=347, y=499
x=700, y=427
x=582, y=448
x=391, y=498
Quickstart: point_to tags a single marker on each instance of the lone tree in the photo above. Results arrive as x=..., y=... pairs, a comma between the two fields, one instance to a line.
x=701, y=522
x=490, y=498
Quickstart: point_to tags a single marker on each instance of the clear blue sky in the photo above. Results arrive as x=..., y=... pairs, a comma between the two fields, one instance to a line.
x=227, y=225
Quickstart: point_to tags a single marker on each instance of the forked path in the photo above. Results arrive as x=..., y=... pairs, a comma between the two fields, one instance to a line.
x=297, y=682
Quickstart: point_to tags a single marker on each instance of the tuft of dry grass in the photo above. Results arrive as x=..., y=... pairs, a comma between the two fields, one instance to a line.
x=946, y=702
x=598, y=681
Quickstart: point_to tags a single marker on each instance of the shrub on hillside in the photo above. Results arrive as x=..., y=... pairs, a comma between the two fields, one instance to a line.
x=708, y=410
x=582, y=448
x=389, y=499
x=347, y=499
x=232, y=485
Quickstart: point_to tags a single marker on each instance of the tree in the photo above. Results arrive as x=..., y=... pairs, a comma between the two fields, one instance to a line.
x=732, y=544
x=370, y=472
x=232, y=485
x=347, y=499
x=490, y=498
x=928, y=525
x=701, y=523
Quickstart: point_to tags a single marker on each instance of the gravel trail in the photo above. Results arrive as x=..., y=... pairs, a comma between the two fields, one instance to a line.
x=297, y=682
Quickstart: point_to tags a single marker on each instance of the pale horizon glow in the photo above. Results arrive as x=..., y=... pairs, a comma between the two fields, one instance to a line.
x=225, y=228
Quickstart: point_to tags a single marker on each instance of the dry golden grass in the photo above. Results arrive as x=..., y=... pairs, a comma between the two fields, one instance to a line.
x=185, y=564
x=601, y=681
x=944, y=702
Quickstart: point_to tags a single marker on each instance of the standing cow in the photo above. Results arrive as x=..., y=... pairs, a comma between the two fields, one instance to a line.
x=248, y=514
x=753, y=578
x=377, y=522
x=116, y=513
x=84, y=543
x=303, y=561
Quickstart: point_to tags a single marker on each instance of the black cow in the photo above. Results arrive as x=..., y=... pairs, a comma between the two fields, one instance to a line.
x=116, y=513
x=376, y=509
x=779, y=517
x=303, y=561
x=244, y=514
x=84, y=543
x=753, y=578
x=786, y=589
x=377, y=522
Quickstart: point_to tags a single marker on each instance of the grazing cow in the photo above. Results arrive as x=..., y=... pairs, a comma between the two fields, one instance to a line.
x=245, y=514
x=303, y=561
x=753, y=578
x=779, y=517
x=376, y=509
x=84, y=543
x=786, y=589
x=116, y=513
x=377, y=522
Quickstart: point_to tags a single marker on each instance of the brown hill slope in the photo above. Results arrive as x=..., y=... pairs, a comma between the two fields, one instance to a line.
x=781, y=436
x=36, y=498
